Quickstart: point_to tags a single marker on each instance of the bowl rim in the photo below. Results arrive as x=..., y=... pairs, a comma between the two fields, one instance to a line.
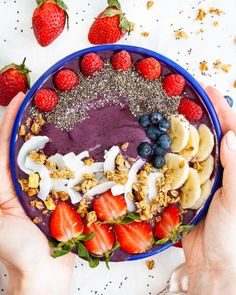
x=134, y=49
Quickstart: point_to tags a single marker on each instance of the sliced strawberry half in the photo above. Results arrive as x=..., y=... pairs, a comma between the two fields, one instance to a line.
x=103, y=240
x=109, y=207
x=135, y=237
x=65, y=223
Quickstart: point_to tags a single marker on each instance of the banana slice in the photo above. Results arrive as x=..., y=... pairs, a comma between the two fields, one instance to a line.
x=206, y=143
x=179, y=133
x=191, y=148
x=191, y=190
x=206, y=170
x=205, y=193
x=178, y=169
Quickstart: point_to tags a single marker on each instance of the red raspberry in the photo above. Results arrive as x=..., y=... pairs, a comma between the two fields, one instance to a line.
x=191, y=110
x=91, y=63
x=46, y=99
x=65, y=80
x=121, y=61
x=149, y=68
x=173, y=84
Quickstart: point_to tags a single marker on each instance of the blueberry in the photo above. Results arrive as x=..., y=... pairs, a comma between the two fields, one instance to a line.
x=144, y=150
x=153, y=132
x=158, y=151
x=229, y=100
x=155, y=117
x=144, y=121
x=158, y=162
x=164, y=141
x=163, y=125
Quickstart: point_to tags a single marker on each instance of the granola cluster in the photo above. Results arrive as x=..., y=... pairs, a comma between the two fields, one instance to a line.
x=31, y=127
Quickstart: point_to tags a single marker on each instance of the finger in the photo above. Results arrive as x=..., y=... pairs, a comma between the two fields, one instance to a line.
x=226, y=115
x=7, y=125
x=228, y=160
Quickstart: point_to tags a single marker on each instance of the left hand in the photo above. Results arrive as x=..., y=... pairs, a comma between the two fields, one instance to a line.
x=23, y=247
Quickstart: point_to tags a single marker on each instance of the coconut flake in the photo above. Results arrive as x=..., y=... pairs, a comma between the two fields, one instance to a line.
x=110, y=158
x=152, y=187
x=100, y=188
x=117, y=189
x=34, y=143
x=132, y=178
x=82, y=155
x=45, y=181
x=57, y=160
x=72, y=162
x=95, y=167
x=74, y=196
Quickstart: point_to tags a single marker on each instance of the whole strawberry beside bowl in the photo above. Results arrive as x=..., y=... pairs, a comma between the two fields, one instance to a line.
x=110, y=25
x=13, y=79
x=49, y=20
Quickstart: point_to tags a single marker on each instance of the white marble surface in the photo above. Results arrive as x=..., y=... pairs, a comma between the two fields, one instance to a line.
x=166, y=16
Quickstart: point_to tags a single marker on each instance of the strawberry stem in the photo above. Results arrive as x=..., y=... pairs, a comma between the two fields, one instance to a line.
x=114, y=3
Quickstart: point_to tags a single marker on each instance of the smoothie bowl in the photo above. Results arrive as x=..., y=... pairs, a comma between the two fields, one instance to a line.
x=115, y=153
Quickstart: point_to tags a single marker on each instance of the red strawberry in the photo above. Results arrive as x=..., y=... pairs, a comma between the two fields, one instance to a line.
x=149, y=68
x=191, y=110
x=134, y=237
x=91, y=63
x=169, y=223
x=110, y=25
x=173, y=84
x=109, y=207
x=49, y=20
x=13, y=79
x=46, y=99
x=65, y=223
x=121, y=61
x=178, y=244
x=65, y=80
x=103, y=241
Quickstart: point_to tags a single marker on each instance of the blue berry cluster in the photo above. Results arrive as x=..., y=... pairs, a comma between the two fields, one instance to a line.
x=156, y=128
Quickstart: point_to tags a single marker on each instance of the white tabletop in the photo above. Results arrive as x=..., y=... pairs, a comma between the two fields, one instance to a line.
x=166, y=16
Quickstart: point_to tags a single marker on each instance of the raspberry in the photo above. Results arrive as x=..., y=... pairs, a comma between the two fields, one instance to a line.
x=149, y=68
x=46, y=99
x=173, y=84
x=191, y=110
x=91, y=63
x=65, y=80
x=121, y=61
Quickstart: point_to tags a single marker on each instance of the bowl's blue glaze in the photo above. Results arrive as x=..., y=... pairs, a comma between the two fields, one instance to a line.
x=196, y=86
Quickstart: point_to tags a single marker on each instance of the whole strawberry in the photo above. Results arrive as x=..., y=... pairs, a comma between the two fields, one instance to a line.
x=173, y=84
x=66, y=80
x=191, y=110
x=110, y=25
x=13, y=79
x=149, y=68
x=121, y=61
x=49, y=20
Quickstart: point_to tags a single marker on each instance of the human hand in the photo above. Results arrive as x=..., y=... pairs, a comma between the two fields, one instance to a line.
x=23, y=247
x=210, y=248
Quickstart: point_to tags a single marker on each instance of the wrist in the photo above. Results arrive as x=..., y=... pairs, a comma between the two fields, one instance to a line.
x=213, y=281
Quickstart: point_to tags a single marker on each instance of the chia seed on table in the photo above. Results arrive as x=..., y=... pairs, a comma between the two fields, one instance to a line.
x=107, y=88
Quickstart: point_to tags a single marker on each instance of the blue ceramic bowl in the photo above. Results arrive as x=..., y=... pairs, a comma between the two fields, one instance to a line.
x=175, y=67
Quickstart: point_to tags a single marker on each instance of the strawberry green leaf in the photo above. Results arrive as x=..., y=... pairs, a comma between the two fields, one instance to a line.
x=85, y=237
x=184, y=230
x=8, y=67
x=125, y=25
x=162, y=241
x=116, y=246
x=65, y=8
x=40, y=2
x=52, y=244
x=25, y=71
x=58, y=253
x=174, y=237
x=111, y=12
x=82, y=251
x=114, y=3
x=133, y=216
x=108, y=258
x=94, y=262
x=126, y=220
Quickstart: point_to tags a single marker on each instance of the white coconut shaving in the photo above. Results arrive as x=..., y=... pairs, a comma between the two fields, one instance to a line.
x=100, y=188
x=110, y=158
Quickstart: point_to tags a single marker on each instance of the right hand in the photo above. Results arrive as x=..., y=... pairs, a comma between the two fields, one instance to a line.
x=210, y=248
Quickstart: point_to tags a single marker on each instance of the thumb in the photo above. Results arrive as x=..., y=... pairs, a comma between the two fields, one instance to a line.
x=228, y=160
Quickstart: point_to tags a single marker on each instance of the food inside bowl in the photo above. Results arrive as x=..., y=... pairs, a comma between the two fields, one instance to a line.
x=115, y=156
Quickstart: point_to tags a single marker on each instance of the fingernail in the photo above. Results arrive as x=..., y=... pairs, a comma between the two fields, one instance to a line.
x=231, y=140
